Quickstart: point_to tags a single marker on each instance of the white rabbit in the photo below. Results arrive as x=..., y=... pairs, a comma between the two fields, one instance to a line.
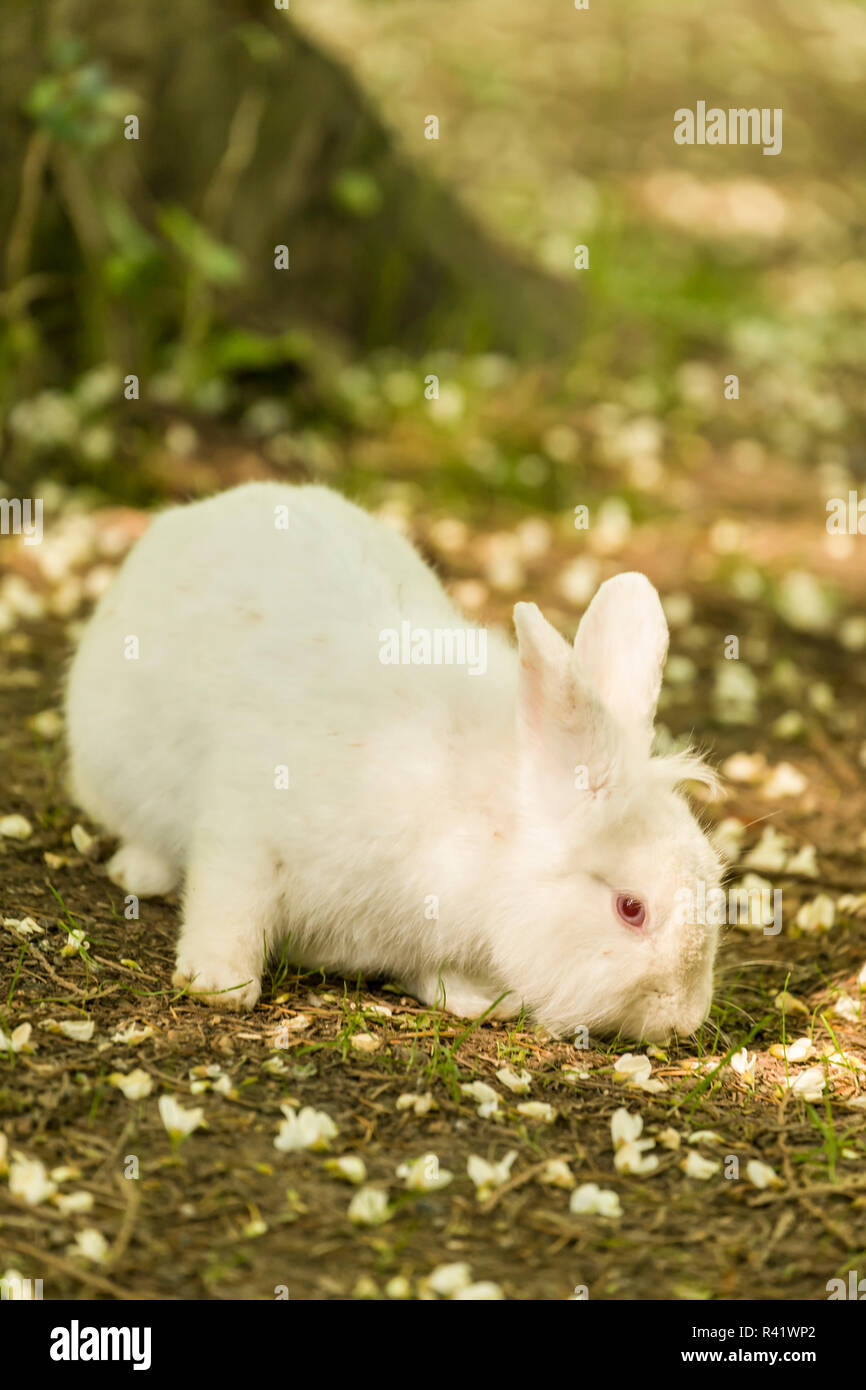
x=496, y=832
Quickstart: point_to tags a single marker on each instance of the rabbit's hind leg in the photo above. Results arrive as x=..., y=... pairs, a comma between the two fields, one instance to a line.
x=141, y=872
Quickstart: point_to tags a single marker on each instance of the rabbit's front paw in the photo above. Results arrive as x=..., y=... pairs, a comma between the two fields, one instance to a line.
x=464, y=997
x=222, y=984
x=141, y=873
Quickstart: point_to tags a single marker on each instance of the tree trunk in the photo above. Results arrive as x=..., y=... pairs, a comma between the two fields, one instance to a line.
x=266, y=141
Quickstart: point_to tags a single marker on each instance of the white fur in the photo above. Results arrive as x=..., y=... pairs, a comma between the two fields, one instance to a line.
x=432, y=829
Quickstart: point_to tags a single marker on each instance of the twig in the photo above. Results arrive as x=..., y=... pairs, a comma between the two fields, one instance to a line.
x=83, y=1276
x=127, y=969
x=124, y=1235
x=511, y=1186
x=21, y=232
x=46, y=964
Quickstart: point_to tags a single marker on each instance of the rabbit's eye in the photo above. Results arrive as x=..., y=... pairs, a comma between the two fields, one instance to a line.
x=631, y=910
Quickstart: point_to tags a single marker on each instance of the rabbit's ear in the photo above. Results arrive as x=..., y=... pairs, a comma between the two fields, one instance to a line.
x=547, y=677
x=562, y=726
x=620, y=650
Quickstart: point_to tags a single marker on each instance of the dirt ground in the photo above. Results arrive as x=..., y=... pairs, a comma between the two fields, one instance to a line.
x=224, y=1214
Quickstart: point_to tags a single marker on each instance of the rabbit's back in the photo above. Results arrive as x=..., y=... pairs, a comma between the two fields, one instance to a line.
x=304, y=553
x=229, y=618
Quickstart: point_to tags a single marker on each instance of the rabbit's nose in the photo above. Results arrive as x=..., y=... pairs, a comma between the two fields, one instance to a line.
x=670, y=1014
x=688, y=1020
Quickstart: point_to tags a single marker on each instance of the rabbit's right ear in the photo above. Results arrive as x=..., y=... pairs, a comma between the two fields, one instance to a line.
x=620, y=649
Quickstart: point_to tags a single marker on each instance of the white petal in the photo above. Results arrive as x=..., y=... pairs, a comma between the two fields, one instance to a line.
x=485, y=1097
x=556, y=1173
x=784, y=780
x=486, y=1291
x=79, y=1030
x=538, y=1110
x=817, y=915
x=132, y=1033
x=770, y=854
x=632, y=1158
x=798, y=1051
x=135, y=1085
x=424, y=1174
x=369, y=1207
x=15, y=827
x=669, y=1139
x=350, y=1167
x=488, y=1176
x=695, y=1166
x=72, y=1203
x=519, y=1082
x=809, y=1084
x=448, y=1280
x=29, y=1180
x=418, y=1104
x=305, y=1129
x=761, y=1175
x=743, y=1063
x=632, y=1067
x=91, y=1244
x=625, y=1127
x=177, y=1121
x=593, y=1200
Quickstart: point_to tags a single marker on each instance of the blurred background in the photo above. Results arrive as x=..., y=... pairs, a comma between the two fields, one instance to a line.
x=432, y=348
x=282, y=274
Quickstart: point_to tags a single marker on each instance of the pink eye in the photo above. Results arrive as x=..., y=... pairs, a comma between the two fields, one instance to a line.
x=630, y=910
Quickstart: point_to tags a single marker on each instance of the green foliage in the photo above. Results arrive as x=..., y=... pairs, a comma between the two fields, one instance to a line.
x=356, y=192
x=260, y=43
x=137, y=261
x=76, y=102
x=241, y=350
x=667, y=300
x=215, y=262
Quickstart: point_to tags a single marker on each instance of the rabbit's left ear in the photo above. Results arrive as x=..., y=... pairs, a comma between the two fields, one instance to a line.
x=620, y=650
